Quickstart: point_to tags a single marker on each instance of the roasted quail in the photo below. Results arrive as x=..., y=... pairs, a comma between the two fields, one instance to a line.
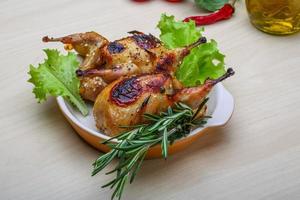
x=124, y=101
x=133, y=55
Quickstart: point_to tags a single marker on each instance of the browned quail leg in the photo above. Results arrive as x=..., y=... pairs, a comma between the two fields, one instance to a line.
x=112, y=74
x=86, y=44
x=170, y=60
x=193, y=96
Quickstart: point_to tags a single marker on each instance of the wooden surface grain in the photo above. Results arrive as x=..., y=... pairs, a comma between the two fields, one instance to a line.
x=255, y=156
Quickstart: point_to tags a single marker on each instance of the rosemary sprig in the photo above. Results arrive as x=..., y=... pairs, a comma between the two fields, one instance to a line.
x=133, y=145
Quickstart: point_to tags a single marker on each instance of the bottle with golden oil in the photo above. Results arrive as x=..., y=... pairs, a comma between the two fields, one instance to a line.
x=279, y=17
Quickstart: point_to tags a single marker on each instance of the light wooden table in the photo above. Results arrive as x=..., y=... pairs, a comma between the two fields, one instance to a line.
x=255, y=156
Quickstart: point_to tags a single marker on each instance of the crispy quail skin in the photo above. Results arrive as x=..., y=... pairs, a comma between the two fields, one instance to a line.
x=136, y=54
x=124, y=101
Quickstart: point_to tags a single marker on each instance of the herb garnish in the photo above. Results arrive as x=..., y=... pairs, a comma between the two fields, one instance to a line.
x=133, y=145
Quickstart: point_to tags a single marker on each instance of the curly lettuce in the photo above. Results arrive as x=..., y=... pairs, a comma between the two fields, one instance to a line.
x=56, y=76
x=203, y=62
x=174, y=33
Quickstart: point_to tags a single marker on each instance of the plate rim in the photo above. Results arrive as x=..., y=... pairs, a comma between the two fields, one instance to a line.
x=222, y=94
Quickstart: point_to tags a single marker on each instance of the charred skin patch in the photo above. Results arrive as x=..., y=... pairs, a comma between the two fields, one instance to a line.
x=126, y=92
x=165, y=63
x=146, y=41
x=130, y=89
x=115, y=47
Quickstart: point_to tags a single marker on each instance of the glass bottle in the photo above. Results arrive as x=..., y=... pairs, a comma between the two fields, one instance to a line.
x=279, y=17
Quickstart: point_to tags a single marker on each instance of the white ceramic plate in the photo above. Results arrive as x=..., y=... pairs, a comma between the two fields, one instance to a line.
x=220, y=108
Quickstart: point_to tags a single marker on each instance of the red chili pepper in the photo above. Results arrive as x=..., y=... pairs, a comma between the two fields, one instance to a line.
x=224, y=13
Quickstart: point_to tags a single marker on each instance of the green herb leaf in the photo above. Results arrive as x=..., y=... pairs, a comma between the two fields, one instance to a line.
x=203, y=62
x=164, y=144
x=57, y=77
x=211, y=5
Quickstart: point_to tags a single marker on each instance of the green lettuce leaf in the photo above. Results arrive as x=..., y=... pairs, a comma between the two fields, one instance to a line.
x=204, y=61
x=57, y=77
x=177, y=33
